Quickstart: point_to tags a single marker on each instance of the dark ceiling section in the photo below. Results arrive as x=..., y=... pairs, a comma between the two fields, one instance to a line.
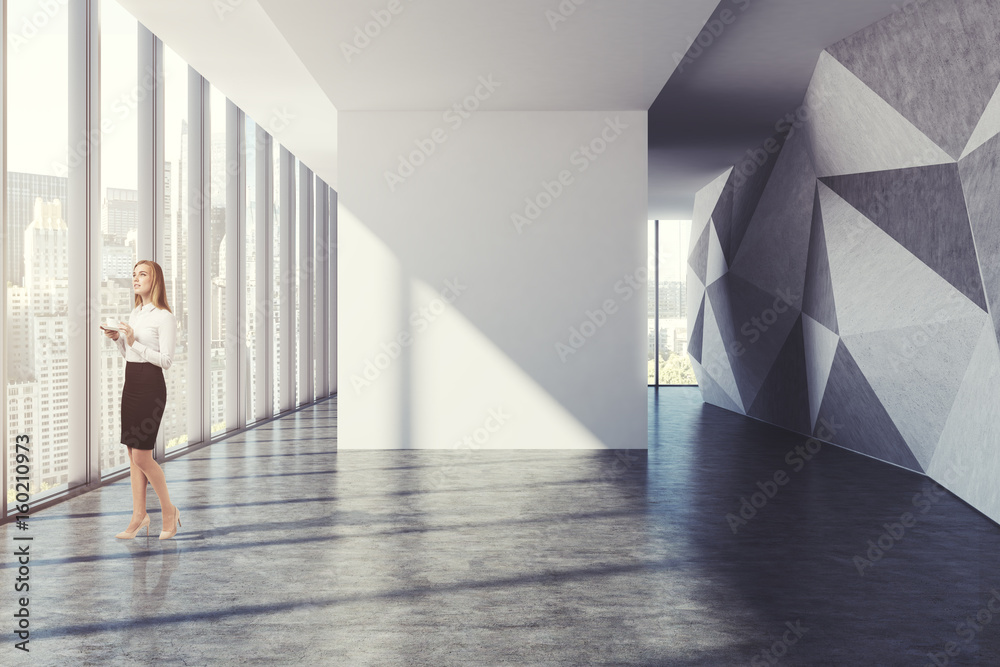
x=747, y=69
x=695, y=110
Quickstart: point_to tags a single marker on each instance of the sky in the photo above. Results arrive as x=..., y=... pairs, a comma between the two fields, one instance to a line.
x=675, y=237
x=38, y=89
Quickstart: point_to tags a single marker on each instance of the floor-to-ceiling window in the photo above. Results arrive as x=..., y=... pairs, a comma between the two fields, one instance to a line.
x=36, y=238
x=220, y=174
x=252, y=307
x=277, y=336
x=319, y=285
x=105, y=129
x=667, y=251
x=651, y=312
x=119, y=149
x=175, y=173
x=299, y=221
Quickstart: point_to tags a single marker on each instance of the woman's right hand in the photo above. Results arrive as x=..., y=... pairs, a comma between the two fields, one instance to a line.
x=113, y=335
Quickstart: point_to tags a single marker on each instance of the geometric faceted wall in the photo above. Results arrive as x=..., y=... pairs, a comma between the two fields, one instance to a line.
x=844, y=278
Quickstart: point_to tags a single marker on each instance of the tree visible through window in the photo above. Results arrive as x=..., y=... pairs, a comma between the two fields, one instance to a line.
x=669, y=361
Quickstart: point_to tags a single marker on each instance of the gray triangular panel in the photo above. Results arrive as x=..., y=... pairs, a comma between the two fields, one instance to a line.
x=817, y=298
x=717, y=266
x=695, y=293
x=753, y=325
x=750, y=178
x=923, y=209
x=705, y=201
x=711, y=392
x=715, y=356
x=722, y=217
x=699, y=256
x=783, y=399
x=695, y=340
x=968, y=454
x=981, y=183
x=916, y=372
x=989, y=125
x=945, y=65
x=863, y=258
x=853, y=130
x=858, y=421
x=775, y=249
x=821, y=348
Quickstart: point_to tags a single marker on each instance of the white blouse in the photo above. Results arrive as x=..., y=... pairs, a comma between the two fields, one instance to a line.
x=155, y=333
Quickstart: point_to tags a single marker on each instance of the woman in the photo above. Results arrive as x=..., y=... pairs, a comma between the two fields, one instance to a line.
x=147, y=343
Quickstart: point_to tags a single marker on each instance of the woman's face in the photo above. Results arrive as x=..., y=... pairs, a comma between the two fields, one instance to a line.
x=142, y=280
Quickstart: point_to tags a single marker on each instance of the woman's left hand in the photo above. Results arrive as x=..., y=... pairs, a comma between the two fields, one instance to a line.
x=129, y=333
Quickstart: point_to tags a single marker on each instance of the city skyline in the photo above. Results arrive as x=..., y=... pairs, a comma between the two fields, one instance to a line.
x=37, y=323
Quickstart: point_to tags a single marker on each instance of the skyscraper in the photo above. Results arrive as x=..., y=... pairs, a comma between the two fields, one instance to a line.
x=37, y=319
x=119, y=212
x=22, y=191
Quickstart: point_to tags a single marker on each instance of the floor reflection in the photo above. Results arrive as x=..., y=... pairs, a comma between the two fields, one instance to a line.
x=290, y=554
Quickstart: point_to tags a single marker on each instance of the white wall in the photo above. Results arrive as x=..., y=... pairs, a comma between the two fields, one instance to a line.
x=486, y=364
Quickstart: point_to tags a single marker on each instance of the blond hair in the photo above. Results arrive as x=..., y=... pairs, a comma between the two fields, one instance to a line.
x=158, y=292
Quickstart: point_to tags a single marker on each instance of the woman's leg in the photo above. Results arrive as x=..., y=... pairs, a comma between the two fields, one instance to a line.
x=154, y=473
x=138, y=480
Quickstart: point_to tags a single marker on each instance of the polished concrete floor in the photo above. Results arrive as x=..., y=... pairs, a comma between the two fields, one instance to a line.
x=291, y=555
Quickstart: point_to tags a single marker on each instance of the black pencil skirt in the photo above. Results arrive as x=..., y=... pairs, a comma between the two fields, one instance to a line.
x=143, y=400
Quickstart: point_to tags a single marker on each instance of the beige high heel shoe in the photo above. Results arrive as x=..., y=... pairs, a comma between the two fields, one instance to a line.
x=128, y=535
x=167, y=534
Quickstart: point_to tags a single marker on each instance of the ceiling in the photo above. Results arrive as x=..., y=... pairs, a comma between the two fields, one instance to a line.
x=234, y=44
x=729, y=97
x=293, y=64
x=595, y=55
